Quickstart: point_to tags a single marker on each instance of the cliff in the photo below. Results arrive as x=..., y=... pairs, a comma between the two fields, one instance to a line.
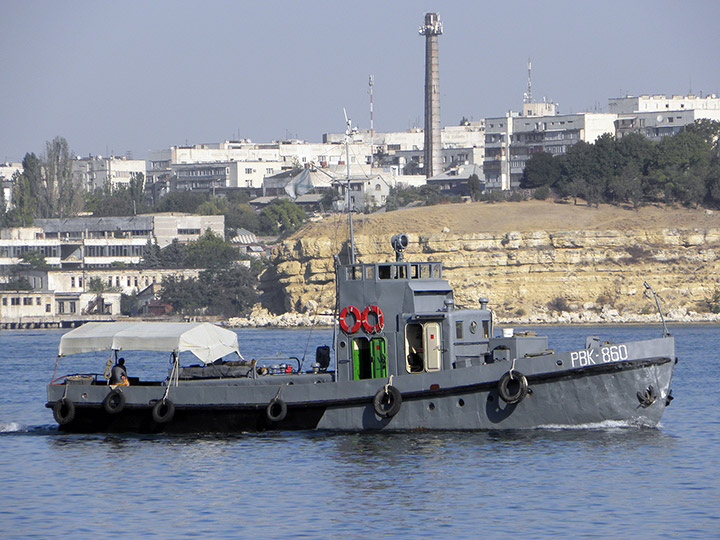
x=535, y=261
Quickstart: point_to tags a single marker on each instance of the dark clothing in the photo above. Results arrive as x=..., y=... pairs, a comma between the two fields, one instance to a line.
x=117, y=373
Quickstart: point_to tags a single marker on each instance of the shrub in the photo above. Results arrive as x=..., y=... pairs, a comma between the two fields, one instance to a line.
x=558, y=304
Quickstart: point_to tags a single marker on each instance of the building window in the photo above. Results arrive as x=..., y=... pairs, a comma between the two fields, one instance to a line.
x=188, y=231
x=79, y=282
x=61, y=307
x=38, y=302
x=4, y=301
x=15, y=301
x=47, y=308
x=72, y=307
x=72, y=282
x=248, y=170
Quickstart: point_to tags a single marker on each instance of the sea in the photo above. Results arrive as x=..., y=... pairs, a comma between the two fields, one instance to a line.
x=601, y=481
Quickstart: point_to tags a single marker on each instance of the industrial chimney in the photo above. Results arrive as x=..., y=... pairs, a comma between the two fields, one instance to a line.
x=433, y=145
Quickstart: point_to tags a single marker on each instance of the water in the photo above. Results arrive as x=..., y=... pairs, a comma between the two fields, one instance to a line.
x=608, y=481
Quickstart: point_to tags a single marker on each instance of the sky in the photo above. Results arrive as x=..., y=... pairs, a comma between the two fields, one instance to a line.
x=113, y=77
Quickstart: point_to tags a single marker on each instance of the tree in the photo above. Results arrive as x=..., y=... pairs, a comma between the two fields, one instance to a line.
x=62, y=195
x=708, y=129
x=229, y=291
x=281, y=216
x=96, y=285
x=151, y=257
x=24, y=199
x=540, y=170
x=241, y=216
x=34, y=260
x=181, y=201
x=173, y=255
x=474, y=186
x=209, y=251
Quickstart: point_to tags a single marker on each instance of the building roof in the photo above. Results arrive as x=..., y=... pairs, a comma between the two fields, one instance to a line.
x=82, y=224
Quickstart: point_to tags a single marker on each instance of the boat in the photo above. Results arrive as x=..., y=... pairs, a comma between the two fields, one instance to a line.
x=403, y=358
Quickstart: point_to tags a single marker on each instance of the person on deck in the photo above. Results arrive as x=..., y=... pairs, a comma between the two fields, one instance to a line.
x=118, y=374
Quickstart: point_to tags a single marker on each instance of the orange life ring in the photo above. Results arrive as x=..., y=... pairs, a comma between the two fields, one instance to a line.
x=378, y=326
x=355, y=312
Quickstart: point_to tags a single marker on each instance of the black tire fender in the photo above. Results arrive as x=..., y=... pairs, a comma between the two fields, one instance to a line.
x=276, y=410
x=163, y=411
x=64, y=411
x=387, y=402
x=513, y=387
x=114, y=402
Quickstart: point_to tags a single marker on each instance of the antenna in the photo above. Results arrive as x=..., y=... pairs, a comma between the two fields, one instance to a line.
x=528, y=94
x=348, y=133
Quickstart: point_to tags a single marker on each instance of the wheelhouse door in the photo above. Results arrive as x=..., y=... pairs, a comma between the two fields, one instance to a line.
x=433, y=348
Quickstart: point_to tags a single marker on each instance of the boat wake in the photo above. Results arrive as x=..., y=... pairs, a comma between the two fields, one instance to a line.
x=606, y=425
x=10, y=428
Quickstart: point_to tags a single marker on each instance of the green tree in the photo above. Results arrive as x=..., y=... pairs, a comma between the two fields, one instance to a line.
x=281, y=216
x=474, y=186
x=33, y=260
x=229, y=291
x=24, y=201
x=151, y=256
x=184, y=294
x=96, y=285
x=173, y=255
x=62, y=195
x=181, y=201
x=540, y=170
x=241, y=216
x=210, y=251
x=708, y=129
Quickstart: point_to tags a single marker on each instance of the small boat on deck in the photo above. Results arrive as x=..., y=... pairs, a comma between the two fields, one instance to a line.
x=403, y=358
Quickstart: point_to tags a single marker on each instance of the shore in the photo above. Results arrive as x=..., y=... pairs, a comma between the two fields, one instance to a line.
x=264, y=319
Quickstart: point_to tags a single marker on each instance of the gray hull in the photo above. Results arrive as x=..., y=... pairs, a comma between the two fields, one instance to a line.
x=603, y=384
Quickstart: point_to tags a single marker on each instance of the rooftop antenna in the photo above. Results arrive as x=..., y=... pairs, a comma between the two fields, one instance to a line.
x=348, y=200
x=528, y=94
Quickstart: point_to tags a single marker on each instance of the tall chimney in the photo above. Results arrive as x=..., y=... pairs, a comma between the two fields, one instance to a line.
x=433, y=145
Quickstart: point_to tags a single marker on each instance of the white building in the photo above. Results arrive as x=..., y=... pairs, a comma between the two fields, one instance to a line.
x=91, y=242
x=511, y=140
x=659, y=116
x=7, y=171
x=96, y=172
x=659, y=103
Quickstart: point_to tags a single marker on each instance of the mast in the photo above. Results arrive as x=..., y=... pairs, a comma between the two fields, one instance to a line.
x=348, y=132
x=371, y=83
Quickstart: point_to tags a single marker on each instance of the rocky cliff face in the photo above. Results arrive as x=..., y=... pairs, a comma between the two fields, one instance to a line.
x=528, y=276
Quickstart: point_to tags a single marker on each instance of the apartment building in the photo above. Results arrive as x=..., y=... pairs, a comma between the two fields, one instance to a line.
x=659, y=116
x=511, y=140
x=96, y=172
x=90, y=242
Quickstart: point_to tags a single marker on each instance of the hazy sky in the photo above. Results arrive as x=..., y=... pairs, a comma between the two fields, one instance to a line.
x=125, y=75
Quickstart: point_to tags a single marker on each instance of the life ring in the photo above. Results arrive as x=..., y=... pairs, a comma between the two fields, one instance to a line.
x=163, y=411
x=355, y=312
x=276, y=410
x=114, y=402
x=513, y=387
x=387, y=401
x=64, y=411
x=378, y=326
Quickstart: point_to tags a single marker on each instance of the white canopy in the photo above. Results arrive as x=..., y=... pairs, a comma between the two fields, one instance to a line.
x=206, y=341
